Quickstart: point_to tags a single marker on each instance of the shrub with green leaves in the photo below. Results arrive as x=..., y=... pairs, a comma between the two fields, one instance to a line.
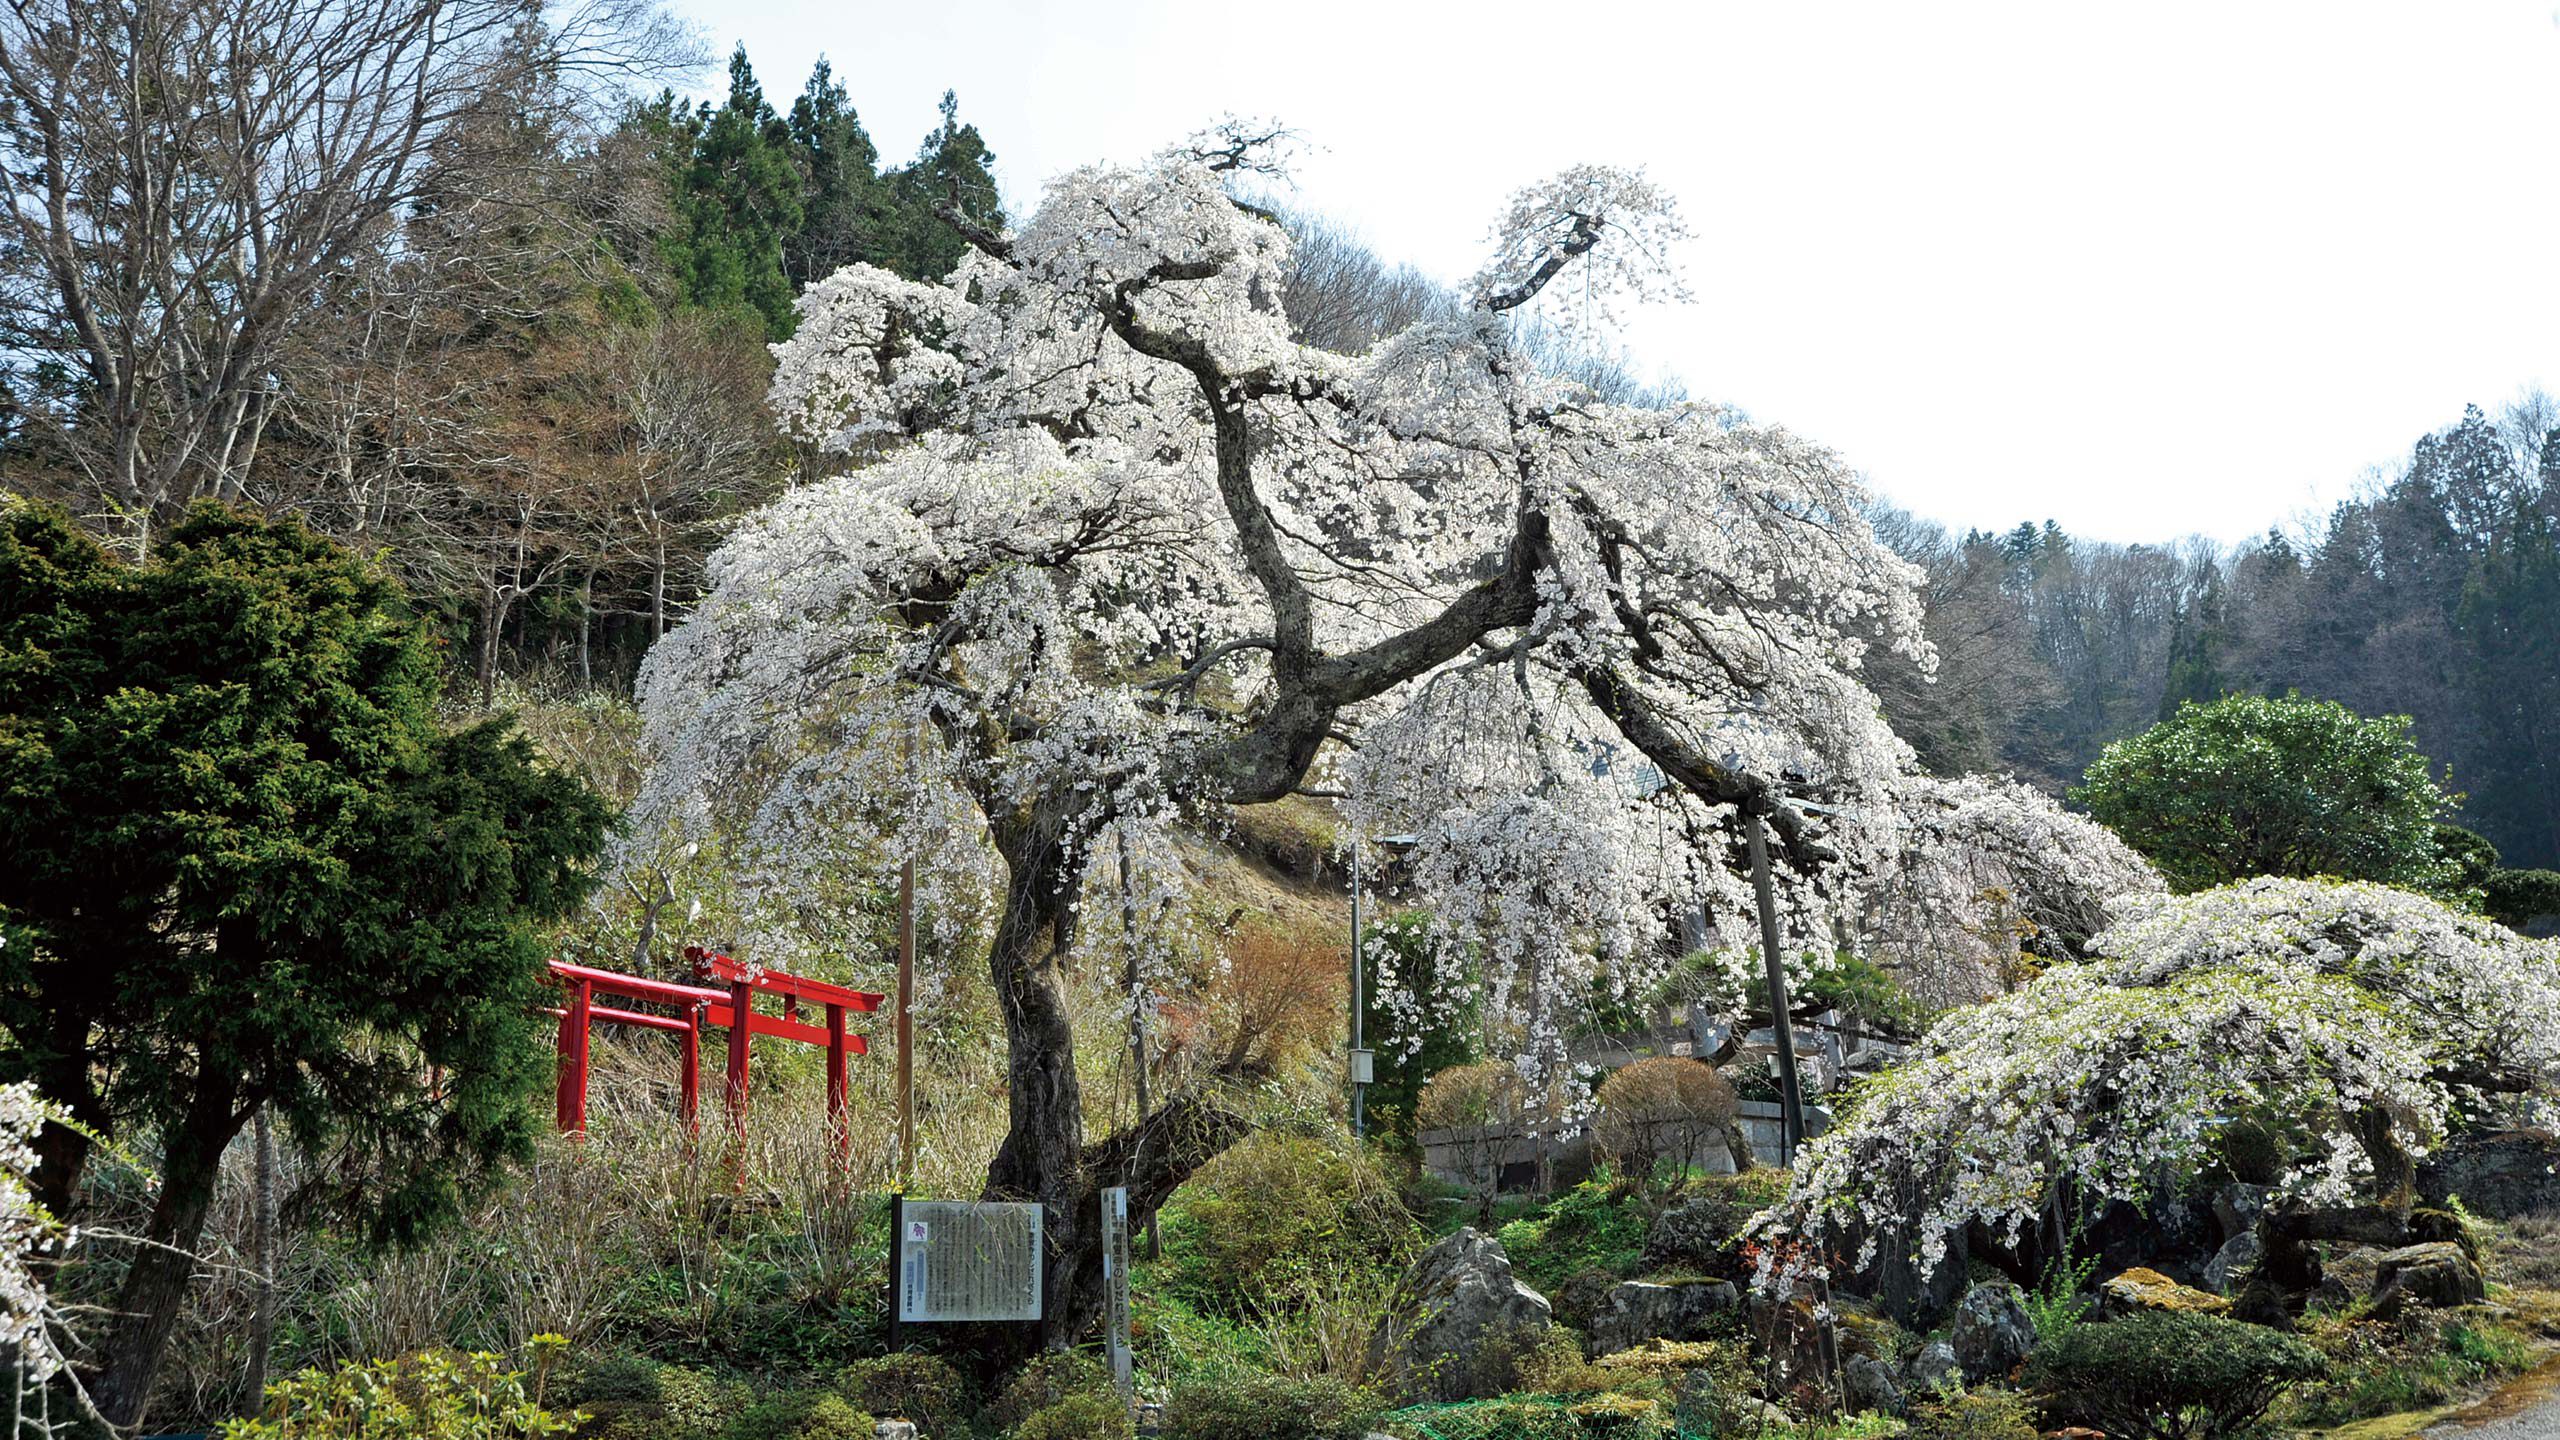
x=2171, y=1375
x=799, y=1415
x=1254, y=1221
x=2250, y=786
x=1077, y=1417
x=1975, y=1415
x=438, y=1395
x=1045, y=1381
x=1269, y=1407
x=911, y=1386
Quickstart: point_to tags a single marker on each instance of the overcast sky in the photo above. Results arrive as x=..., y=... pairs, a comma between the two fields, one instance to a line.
x=2147, y=270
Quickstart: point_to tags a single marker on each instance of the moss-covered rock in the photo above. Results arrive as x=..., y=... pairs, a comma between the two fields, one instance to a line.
x=2140, y=1289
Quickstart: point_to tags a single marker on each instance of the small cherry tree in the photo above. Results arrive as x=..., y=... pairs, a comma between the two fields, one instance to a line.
x=1114, y=552
x=2367, y=1018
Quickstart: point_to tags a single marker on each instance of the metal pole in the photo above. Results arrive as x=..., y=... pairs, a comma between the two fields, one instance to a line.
x=906, y=1025
x=1790, y=1091
x=1359, y=977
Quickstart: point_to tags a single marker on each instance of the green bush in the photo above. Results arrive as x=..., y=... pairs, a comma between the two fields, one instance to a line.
x=2171, y=1375
x=1512, y=1417
x=438, y=1395
x=1537, y=1417
x=1977, y=1415
x=799, y=1415
x=1269, y=1407
x=911, y=1386
x=2516, y=898
x=1077, y=1417
x=1253, y=1222
x=1045, y=1381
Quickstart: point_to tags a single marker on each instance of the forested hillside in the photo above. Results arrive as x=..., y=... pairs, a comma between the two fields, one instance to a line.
x=2434, y=593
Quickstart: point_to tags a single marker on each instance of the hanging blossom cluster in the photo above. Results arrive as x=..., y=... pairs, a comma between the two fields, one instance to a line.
x=1112, y=551
x=2337, y=1007
x=1985, y=880
x=27, y=1332
x=2485, y=1000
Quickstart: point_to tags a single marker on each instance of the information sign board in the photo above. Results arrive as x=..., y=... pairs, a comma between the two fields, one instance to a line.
x=965, y=1261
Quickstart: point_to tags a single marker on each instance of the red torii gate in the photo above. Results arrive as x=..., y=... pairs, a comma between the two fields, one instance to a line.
x=697, y=1007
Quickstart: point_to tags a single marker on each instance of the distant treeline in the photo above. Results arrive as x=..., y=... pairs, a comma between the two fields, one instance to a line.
x=2435, y=594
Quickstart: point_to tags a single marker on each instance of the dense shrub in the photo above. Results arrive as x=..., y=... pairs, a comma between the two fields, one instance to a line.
x=1262, y=1218
x=1043, y=1382
x=911, y=1386
x=1977, y=1415
x=438, y=1395
x=1084, y=1416
x=2170, y=1375
x=799, y=1415
x=1269, y=1407
x=1659, y=1111
x=2517, y=898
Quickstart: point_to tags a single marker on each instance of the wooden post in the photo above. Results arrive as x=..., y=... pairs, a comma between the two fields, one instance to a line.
x=907, y=1025
x=1790, y=1087
x=839, y=1129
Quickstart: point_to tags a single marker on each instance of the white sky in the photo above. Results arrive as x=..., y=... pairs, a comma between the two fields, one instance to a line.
x=2149, y=270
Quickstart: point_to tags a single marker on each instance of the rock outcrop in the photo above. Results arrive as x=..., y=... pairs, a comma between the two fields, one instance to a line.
x=1992, y=1333
x=2438, y=1274
x=2139, y=1289
x=1638, y=1311
x=2501, y=1175
x=1455, y=1321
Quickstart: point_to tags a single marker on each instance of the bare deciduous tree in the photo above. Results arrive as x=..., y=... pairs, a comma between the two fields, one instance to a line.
x=189, y=182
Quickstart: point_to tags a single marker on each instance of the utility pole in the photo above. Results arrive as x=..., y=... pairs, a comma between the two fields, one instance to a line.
x=1790, y=1088
x=906, y=1025
x=1359, y=1051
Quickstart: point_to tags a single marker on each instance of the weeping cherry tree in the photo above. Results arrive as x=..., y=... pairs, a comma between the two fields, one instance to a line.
x=1112, y=553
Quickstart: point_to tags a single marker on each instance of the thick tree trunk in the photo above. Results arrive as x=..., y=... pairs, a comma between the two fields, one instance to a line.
x=263, y=1249
x=1044, y=1156
x=156, y=1286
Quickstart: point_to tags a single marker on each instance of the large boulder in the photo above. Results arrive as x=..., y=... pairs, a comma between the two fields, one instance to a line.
x=1993, y=1334
x=1638, y=1311
x=2501, y=1175
x=2230, y=1266
x=1867, y=1383
x=1796, y=1339
x=1933, y=1370
x=1455, y=1322
x=2438, y=1274
x=2139, y=1289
